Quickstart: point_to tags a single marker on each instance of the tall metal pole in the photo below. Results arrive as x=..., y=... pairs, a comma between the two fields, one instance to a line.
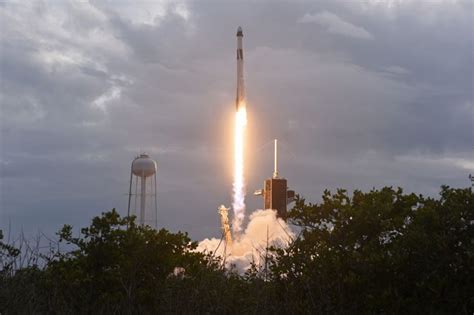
x=142, y=199
x=130, y=190
x=136, y=195
x=156, y=205
x=275, y=171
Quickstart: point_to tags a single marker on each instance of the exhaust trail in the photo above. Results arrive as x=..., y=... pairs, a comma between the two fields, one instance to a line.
x=238, y=203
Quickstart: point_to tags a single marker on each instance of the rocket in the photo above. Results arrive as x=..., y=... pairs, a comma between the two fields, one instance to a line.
x=240, y=99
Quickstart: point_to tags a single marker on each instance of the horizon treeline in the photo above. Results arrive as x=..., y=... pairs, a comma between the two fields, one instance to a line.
x=375, y=252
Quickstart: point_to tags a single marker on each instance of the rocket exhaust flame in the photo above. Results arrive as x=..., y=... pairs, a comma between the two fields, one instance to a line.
x=238, y=203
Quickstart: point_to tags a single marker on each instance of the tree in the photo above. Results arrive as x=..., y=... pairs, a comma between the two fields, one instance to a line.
x=381, y=251
x=8, y=254
x=115, y=266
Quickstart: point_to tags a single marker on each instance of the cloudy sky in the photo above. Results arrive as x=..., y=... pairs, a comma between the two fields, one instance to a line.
x=361, y=94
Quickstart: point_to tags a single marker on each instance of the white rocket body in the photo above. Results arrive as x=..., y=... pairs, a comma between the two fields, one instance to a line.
x=240, y=99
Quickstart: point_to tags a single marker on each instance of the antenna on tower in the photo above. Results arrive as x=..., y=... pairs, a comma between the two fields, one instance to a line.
x=275, y=169
x=472, y=180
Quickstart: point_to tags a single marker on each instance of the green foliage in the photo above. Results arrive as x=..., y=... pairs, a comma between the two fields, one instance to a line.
x=115, y=266
x=7, y=255
x=381, y=251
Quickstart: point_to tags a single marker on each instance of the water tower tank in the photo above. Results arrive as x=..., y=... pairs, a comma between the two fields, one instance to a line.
x=144, y=170
x=143, y=166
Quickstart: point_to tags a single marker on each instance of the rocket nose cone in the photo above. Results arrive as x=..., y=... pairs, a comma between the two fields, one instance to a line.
x=239, y=31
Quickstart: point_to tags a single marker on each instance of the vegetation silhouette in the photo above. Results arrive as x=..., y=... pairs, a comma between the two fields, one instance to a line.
x=381, y=251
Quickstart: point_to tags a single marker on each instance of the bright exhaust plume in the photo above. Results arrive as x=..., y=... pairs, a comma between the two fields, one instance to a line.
x=238, y=202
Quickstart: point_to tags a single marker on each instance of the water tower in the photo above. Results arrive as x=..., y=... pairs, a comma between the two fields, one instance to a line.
x=143, y=170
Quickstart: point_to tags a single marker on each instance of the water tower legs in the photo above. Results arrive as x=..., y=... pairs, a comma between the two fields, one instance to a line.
x=142, y=200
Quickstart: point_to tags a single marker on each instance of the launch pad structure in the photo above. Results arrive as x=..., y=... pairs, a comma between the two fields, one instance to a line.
x=275, y=192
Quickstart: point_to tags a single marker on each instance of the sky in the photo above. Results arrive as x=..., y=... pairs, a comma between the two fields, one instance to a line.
x=360, y=94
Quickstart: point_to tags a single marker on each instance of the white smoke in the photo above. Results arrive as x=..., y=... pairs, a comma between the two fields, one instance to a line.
x=263, y=230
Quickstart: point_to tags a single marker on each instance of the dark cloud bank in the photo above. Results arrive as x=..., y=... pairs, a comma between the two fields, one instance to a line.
x=360, y=95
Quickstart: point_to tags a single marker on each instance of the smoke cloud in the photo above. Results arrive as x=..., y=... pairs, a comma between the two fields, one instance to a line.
x=263, y=230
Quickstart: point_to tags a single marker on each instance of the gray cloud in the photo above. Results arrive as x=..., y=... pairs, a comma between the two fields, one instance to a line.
x=334, y=24
x=87, y=86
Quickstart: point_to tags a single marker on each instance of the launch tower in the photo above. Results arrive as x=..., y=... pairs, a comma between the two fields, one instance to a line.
x=275, y=192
